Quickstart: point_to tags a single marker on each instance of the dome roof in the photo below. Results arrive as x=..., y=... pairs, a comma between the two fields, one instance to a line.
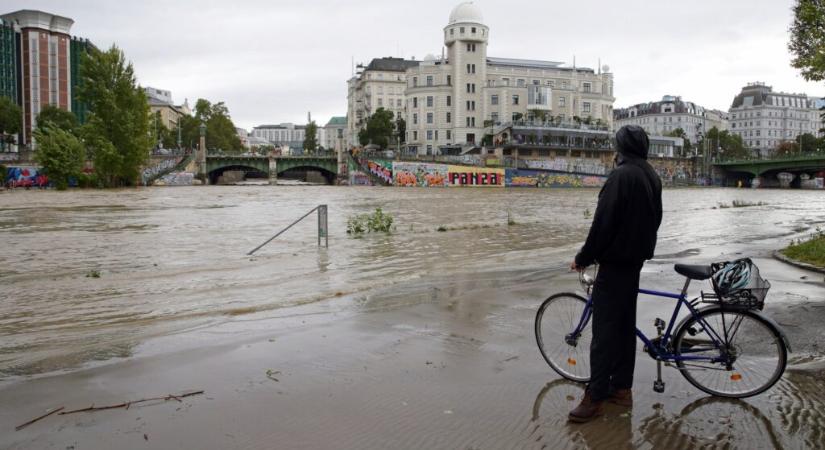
x=466, y=12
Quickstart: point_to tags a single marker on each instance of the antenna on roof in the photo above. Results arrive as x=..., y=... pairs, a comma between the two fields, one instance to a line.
x=574, y=63
x=600, y=66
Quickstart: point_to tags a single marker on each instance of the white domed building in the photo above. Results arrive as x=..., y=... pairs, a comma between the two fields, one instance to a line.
x=452, y=101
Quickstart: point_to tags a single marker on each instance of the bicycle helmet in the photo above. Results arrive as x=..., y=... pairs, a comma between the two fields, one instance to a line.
x=732, y=276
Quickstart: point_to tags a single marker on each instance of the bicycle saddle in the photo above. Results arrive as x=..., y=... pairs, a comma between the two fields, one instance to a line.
x=693, y=272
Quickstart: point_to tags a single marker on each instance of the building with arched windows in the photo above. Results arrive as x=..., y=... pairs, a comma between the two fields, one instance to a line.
x=450, y=102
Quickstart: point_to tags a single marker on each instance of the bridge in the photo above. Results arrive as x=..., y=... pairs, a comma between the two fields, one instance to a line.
x=273, y=167
x=791, y=163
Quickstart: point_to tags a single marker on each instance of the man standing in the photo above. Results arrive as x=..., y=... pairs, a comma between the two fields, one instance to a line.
x=621, y=238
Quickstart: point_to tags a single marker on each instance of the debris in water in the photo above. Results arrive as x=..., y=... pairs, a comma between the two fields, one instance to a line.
x=49, y=413
x=271, y=374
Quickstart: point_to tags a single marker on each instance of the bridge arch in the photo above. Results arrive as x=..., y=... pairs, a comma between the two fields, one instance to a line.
x=308, y=173
x=249, y=172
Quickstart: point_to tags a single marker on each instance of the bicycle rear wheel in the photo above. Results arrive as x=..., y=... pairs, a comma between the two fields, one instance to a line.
x=557, y=318
x=751, y=358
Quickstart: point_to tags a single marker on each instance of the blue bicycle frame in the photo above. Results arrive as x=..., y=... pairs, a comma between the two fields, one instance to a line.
x=658, y=348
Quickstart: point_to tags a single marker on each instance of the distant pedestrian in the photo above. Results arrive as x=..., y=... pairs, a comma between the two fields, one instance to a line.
x=621, y=238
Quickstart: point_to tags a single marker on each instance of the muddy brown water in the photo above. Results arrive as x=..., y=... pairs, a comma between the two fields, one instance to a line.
x=173, y=260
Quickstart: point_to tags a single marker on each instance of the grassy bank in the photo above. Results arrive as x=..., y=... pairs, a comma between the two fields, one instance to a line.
x=811, y=251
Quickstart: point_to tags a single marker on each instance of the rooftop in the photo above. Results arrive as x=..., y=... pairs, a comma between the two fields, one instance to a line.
x=32, y=18
x=466, y=12
x=337, y=120
x=391, y=64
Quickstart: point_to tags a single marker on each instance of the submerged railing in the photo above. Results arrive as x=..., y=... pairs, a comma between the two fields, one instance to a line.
x=322, y=228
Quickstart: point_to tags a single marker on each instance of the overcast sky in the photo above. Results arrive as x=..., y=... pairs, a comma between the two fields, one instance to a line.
x=271, y=61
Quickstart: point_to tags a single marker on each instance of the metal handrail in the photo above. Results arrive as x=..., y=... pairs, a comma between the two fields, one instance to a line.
x=322, y=228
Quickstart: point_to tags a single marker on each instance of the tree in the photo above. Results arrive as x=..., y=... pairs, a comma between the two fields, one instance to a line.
x=220, y=130
x=60, y=153
x=680, y=133
x=786, y=148
x=379, y=129
x=161, y=134
x=311, y=137
x=10, y=121
x=724, y=145
x=57, y=117
x=189, y=131
x=538, y=114
x=807, y=42
x=807, y=143
x=118, y=119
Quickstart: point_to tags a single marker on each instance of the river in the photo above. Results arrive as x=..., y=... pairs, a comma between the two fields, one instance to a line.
x=172, y=259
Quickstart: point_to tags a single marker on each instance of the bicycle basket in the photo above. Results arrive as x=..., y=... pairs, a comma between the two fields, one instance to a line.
x=738, y=284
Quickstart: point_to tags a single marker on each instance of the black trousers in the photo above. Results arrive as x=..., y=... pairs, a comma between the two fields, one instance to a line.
x=613, y=348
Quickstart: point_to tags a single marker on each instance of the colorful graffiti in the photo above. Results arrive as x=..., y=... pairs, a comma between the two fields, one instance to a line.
x=25, y=177
x=420, y=174
x=381, y=169
x=475, y=176
x=671, y=170
x=534, y=178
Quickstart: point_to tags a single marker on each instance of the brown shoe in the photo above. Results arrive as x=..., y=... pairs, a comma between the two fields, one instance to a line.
x=587, y=410
x=621, y=397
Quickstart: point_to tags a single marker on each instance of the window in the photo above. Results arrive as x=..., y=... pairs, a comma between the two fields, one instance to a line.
x=585, y=107
x=415, y=102
x=473, y=30
x=564, y=84
x=449, y=80
x=429, y=117
x=461, y=30
x=415, y=118
x=429, y=135
x=449, y=100
x=429, y=80
x=468, y=121
x=452, y=31
x=398, y=103
x=436, y=135
x=415, y=81
x=505, y=81
x=494, y=100
x=449, y=117
x=520, y=83
x=549, y=83
x=471, y=47
x=429, y=101
x=380, y=102
x=562, y=102
x=586, y=87
x=449, y=134
x=515, y=99
x=536, y=82
x=415, y=135
x=494, y=117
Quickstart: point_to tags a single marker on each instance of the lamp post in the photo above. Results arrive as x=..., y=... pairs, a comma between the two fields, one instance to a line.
x=202, y=152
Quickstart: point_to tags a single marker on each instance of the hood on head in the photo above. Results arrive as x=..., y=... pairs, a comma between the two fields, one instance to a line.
x=632, y=140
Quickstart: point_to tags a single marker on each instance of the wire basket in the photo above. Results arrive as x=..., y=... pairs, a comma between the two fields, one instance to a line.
x=750, y=296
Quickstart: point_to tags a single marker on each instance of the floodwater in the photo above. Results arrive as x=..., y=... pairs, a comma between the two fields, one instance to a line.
x=175, y=258
x=88, y=276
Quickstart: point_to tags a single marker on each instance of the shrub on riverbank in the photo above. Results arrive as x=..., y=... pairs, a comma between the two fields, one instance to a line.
x=811, y=251
x=377, y=222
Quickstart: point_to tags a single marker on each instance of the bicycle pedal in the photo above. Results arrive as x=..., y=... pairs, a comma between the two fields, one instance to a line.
x=659, y=386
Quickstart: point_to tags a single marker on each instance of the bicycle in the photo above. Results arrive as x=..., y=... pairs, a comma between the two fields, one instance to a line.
x=725, y=349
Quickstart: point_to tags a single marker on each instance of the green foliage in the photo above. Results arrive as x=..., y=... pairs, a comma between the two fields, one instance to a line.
x=401, y=129
x=378, y=221
x=311, y=137
x=786, y=148
x=10, y=121
x=807, y=42
x=94, y=273
x=189, y=131
x=379, y=129
x=811, y=250
x=118, y=120
x=60, y=154
x=724, y=145
x=807, y=143
x=57, y=117
x=161, y=134
x=220, y=130
x=441, y=229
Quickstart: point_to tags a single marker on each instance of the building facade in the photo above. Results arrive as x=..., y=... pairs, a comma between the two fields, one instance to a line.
x=663, y=117
x=160, y=101
x=381, y=84
x=285, y=134
x=39, y=65
x=335, y=134
x=765, y=119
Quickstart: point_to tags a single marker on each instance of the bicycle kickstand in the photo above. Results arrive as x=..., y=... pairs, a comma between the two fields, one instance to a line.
x=659, y=385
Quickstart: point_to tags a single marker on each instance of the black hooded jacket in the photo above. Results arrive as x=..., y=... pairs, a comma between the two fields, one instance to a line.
x=629, y=211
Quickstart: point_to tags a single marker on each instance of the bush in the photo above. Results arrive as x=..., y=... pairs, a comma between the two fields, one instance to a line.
x=60, y=154
x=378, y=221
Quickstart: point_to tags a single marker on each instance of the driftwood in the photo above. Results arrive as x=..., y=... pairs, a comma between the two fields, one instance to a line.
x=126, y=405
x=20, y=427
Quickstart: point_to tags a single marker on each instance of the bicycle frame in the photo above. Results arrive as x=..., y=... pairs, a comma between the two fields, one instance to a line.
x=658, y=347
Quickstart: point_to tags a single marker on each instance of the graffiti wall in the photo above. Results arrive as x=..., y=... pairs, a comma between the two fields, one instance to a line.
x=420, y=174
x=579, y=165
x=535, y=178
x=25, y=177
x=673, y=170
x=176, y=179
x=381, y=169
x=475, y=176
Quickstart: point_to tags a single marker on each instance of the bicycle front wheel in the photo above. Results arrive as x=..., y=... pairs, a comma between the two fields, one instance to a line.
x=730, y=353
x=556, y=321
